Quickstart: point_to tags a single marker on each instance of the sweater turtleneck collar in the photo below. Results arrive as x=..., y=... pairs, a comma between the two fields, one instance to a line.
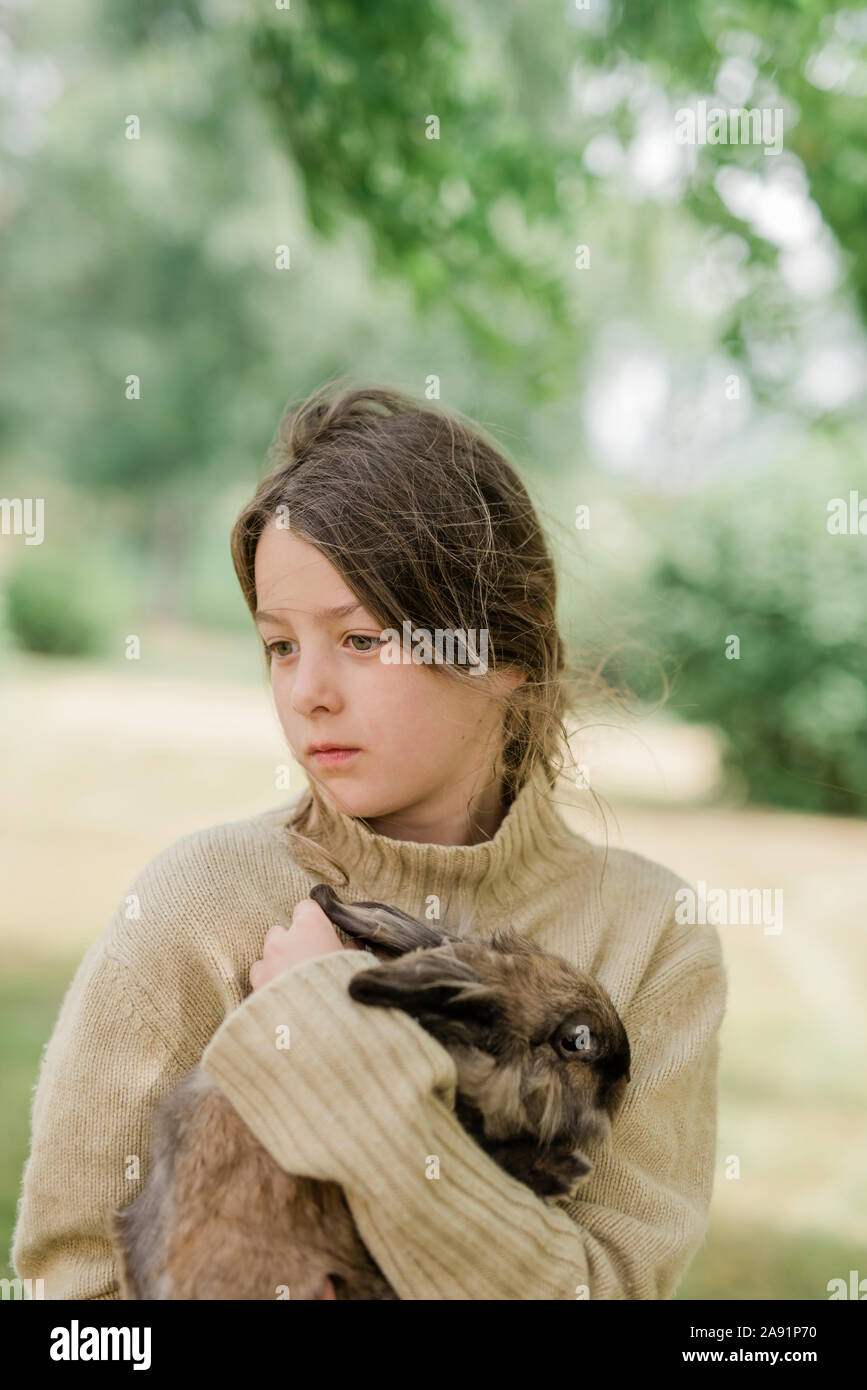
x=528, y=849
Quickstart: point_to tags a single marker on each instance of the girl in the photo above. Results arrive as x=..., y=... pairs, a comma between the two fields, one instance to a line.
x=429, y=787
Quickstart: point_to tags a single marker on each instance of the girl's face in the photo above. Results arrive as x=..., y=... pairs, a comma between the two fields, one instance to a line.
x=424, y=742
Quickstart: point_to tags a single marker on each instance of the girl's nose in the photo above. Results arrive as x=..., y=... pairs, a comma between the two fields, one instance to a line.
x=312, y=686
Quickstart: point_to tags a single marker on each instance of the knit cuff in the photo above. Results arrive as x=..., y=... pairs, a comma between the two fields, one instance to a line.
x=332, y=1088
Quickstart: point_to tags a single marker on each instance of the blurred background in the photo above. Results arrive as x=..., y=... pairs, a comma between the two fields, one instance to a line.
x=207, y=209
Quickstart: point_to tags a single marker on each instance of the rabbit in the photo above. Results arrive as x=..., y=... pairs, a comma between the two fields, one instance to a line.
x=542, y=1062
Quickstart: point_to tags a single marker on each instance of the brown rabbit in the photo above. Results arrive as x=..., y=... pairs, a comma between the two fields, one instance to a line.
x=542, y=1062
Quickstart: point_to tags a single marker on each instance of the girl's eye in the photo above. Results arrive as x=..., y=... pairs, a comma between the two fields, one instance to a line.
x=273, y=647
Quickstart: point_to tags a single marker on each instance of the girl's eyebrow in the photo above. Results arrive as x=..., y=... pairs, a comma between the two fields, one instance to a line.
x=343, y=610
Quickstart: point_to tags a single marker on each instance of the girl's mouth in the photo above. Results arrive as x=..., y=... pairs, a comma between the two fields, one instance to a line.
x=326, y=756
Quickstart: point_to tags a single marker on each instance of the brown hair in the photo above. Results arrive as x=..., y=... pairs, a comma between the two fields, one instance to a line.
x=427, y=521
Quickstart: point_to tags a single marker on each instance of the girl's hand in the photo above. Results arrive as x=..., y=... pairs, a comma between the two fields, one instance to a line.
x=311, y=934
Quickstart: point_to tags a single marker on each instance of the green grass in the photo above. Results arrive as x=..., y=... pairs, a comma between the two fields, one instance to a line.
x=31, y=993
x=763, y=1263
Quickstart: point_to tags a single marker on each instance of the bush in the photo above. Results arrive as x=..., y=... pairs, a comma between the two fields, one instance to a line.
x=753, y=559
x=66, y=604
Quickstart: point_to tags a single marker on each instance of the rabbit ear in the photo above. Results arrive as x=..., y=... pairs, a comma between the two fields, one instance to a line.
x=386, y=929
x=435, y=985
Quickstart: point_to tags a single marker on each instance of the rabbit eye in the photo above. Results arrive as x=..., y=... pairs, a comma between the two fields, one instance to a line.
x=575, y=1038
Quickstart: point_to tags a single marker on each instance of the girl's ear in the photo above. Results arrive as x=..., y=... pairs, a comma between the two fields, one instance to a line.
x=512, y=676
x=433, y=986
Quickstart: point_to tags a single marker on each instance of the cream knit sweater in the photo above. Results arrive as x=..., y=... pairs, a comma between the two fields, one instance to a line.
x=365, y=1096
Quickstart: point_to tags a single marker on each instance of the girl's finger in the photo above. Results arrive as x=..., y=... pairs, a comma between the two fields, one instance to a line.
x=309, y=910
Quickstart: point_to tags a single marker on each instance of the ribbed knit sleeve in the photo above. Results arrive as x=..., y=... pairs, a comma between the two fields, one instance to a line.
x=644, y=1210
x=364, y=1096
x=102, y=1072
